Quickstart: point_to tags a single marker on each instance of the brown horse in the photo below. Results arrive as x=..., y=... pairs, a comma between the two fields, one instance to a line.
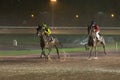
x=93, y=42
x=45, y=43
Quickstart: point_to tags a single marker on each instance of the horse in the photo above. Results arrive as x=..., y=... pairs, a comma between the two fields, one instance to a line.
x=93, y=42
x=45, y=43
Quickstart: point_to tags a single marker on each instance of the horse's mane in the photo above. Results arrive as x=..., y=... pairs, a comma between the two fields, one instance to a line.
x=39, y=27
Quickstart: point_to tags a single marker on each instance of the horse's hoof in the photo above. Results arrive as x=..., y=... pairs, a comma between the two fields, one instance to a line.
x=58, y=57
x=105, y=53
x=95, y=57
x=89, y=58
x=41, y=57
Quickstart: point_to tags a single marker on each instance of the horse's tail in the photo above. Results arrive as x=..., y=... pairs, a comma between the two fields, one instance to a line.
x=57, y=43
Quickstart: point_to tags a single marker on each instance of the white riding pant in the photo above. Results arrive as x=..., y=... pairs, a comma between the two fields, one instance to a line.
x=97, y=35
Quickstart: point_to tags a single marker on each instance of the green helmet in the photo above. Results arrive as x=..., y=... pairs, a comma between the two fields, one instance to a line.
x=44, y=25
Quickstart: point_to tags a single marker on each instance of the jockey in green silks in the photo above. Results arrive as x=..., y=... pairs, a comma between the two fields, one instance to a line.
x=47, y=31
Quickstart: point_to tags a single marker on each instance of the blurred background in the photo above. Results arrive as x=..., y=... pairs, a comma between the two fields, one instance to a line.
x=70, y=13
x=68, y=20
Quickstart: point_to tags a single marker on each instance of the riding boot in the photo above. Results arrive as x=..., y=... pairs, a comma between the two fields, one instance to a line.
x=98, y=36
x=99, y=39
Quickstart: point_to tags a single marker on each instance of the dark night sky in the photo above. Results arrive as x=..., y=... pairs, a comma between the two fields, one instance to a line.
x=18, y=12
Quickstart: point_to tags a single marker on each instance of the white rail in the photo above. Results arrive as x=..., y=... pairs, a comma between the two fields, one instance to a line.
x=30, y=27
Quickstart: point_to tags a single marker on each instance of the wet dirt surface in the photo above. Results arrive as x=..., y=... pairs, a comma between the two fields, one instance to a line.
x=72, y=66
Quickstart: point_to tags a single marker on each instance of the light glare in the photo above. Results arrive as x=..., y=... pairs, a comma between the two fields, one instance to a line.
x=53, y=0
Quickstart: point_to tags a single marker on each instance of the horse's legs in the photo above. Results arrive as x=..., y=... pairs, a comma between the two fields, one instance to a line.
x=103, y=44
x=57, y=52
x=43, y=53
x=95, y=51
x=49, y=49
x=49, y=58
x=95, y=48
x=91, y=50
x=86, y=47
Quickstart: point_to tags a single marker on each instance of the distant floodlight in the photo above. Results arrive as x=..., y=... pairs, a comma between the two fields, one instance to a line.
x=32, y=15
x=53, y=0
x=112, y=15
x=77, y=16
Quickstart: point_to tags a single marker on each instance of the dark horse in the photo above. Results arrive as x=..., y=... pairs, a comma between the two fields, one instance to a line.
x=93, y=42
x=45, y=43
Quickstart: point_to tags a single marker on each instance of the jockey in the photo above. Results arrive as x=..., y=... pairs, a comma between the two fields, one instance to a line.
x=97, y=29
x=47, y=31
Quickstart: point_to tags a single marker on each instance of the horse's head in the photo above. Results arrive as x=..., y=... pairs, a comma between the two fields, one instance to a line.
x=40, y=31
x=92, y=34
x=91, y=29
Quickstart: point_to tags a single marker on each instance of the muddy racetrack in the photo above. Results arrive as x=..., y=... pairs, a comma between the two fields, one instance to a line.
x=73, y=67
